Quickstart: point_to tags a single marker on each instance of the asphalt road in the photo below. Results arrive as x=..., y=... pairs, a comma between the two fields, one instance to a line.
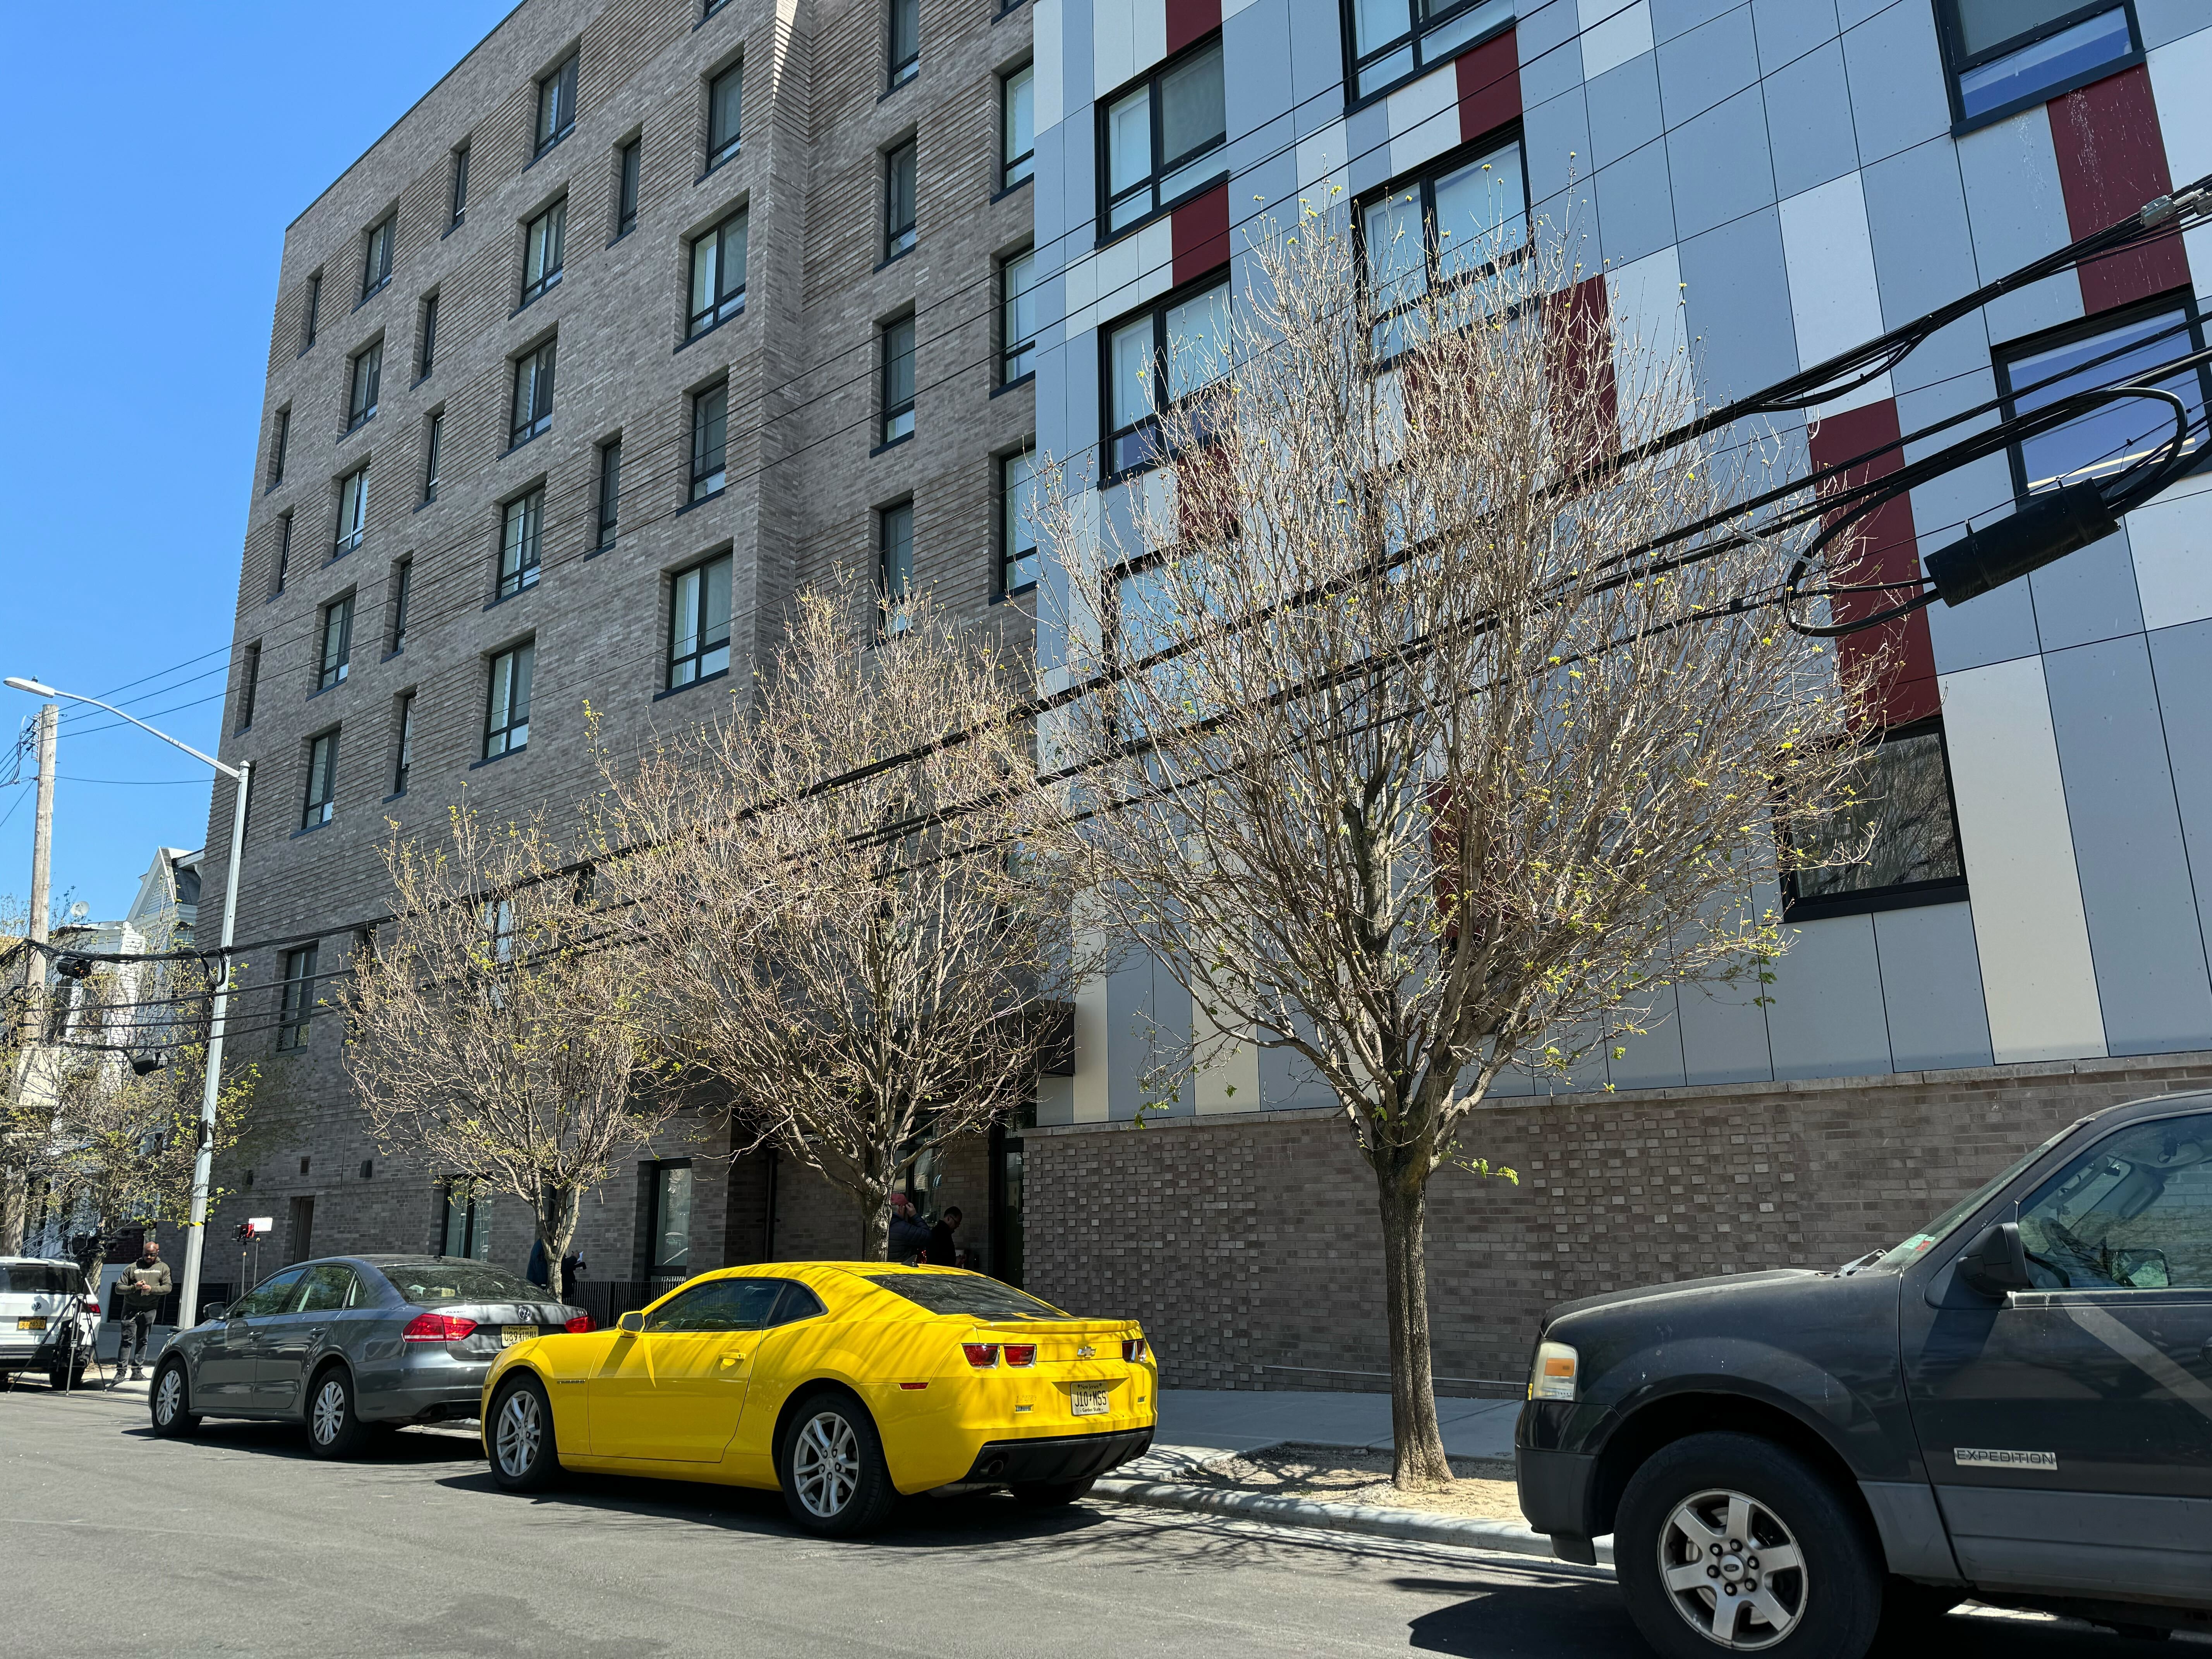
x=238, y=1542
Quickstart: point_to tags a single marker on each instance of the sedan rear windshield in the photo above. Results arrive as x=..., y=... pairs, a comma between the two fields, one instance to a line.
x=969, y=1293
x=38, y=1278
x=461, y=1281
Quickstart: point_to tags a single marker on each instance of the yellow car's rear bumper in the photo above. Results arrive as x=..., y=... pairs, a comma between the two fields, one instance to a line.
x=1050, y=1458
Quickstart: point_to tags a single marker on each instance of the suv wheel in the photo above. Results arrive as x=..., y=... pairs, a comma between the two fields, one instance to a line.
x=1726, y=1543
x=334, y=1428
x=831, y=1468
x=170, y=1400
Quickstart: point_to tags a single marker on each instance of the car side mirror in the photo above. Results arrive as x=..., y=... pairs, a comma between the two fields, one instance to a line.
x=1997, y=1262
x=630, y=1323
x=215, y=1310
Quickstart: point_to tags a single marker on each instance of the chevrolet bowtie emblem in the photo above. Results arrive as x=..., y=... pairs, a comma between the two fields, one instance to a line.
x=1086, y=1352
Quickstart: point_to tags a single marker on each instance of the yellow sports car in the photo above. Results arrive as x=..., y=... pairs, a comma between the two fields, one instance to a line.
x=843, y=1383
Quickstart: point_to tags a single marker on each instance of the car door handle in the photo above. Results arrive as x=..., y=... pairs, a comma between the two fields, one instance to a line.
x=733, y=1359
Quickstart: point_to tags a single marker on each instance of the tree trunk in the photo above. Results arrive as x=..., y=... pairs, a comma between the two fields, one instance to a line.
x=875, y=1229
x=557, y=1210
x=1402, y=1188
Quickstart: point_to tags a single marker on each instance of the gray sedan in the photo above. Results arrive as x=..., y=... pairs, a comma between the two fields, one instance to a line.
x=349, y=1342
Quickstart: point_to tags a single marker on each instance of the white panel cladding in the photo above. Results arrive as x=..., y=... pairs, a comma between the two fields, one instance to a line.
x=1323, y=166
x=1612, y=33
x=2030, y=930
x=2171, y=541
x=1121, y=276
x=1231, y=1083
x=1113, y=44
x=1045, y=27
x=1093, y=1036
x=1650, y=333
x=1423, y=119
x=1833, y=301
x=2180, y=74
x=1149, y=20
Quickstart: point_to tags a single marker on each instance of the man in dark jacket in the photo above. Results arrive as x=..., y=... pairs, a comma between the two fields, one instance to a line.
x=943, y=1252
x=144, y=1287
x=909, y=1236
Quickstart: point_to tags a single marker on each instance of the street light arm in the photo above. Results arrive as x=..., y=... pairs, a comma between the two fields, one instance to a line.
x=38, y=689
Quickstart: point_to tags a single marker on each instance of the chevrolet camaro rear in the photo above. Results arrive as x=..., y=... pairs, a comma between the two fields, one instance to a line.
x=843, y=1384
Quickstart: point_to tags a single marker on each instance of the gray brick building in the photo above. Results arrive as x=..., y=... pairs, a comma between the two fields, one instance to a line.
x=638, y=287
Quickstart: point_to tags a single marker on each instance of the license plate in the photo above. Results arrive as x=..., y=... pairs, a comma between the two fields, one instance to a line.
x=30, y=1324
x=1089, y=1402
x=511, y=1334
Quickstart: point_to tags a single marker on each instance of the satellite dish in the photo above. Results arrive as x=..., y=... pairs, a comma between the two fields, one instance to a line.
x=79, y=911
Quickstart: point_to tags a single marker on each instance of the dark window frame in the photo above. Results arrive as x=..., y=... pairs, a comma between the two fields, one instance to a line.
x=899, y=69
x=555, y=120
x=283, y=563
x=898, y=404
x=654, y=1267
x=335, y=630
x=433, y=446
x=608, y=494
x=1446, y=23
x=376, y=255
x=630, y=176
x=731, y=146
x=1164, y=168
x=890, y=599
x=1010, y=163
x=402, y=582
x=710, y=458
x=1958, y=62
x=1424, y=179
x=1897, y=896
x=521, y=560
x=725, y=302
x=364, y=390
x=902, y=234
x=320, y=804
x=539, y=363
x=1016, y=352
x=426, y=334
x=1115, y=467
x=457, y=188
x=499, y=740
x=549, y=250
x=1010, y=554
x=279, y=440
x=676, y=678
x=349, y=540
x=296, y=1009
x=249, y=686
x=311, y=311
x=403, y=759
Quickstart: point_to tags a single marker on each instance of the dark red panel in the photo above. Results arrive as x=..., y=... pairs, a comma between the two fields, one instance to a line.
x=1201, y=234
x=1191, y=20
x=1579, y=322
x=1886, y=549
x=1489, y=86
x=2112, y=160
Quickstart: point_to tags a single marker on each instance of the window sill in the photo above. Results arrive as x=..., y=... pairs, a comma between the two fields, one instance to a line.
x=356, y=426
x=428, y=501
x=1966, y=123
x=273, y=487
x=903, y=438
x=711, y=496
x=522, y=443
x=396, y=795
x=419, y=379
x=713, y=168
x=901, y=84
x=1016, y=384
x=604, y=547
x=691, y=685
x=498, y=599
x=690, y=340
x=324, y=690
x=622, y=236
x=710, y=14
x=303, y=351
x=451, y=228
x=396, y=651
x=548, y=148
x=888, y=260
x=1020, y=184
x=1012, y=593
x=550, y=287
x=494, y=760
x=371, y=295
x=1004, y=12
x=310, y=829
x=1908, y=897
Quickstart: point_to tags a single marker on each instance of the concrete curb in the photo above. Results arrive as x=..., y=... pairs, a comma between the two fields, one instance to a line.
x=1415, y=1526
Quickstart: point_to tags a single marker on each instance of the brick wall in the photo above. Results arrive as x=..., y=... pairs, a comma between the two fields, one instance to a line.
x=1248, y=1244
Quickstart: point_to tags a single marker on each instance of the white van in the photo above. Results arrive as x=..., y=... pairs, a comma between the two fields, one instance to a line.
x=36, y=1294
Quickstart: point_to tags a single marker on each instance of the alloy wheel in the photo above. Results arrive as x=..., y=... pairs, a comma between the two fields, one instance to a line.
x=168, y=1397
x=1733, y=1571
x=825, y=1465
x=329, y=1413
x=520, y=1430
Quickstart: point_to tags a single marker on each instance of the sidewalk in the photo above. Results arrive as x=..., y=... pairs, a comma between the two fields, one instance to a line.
x=1199, y=1424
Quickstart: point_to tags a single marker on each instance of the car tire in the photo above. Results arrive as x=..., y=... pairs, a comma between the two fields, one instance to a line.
x=830, y=1466
x=1692, y=1527
x=334, y=1426
x=523, y=1454
x=169, y=1401
x=1052, y=1494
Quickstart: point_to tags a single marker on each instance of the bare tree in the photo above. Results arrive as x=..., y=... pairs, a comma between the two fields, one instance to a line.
x=500, y=1028
x=1403, y=758
x=839, y=893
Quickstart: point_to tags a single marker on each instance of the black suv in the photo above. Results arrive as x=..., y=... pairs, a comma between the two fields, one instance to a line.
x=2014, y=1405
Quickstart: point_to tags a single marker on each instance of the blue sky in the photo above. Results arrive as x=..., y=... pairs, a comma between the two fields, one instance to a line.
x=157, y=154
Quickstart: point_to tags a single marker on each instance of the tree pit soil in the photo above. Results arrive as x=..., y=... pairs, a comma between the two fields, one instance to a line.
x=1482, y=1488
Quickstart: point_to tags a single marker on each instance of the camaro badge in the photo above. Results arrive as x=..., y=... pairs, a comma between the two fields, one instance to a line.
x=1086, y=1352
x=1969, y=1458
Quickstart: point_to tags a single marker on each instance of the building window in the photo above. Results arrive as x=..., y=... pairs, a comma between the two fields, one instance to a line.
x=376, y=256
x=427, y=331
x=311, y=313
x=898, y=380
x=609, y=494
x=1017, y=126
x=533, y=395
x=699, y=623
x=718, y=274
x=468, y=1221
x=1454, y=221
x=507, y=710
x=544, y=241
x=710, y=431
x=668, y=1231
x=899, y=166
x=557, y=104
x=2106, y=349
x=280, y=439
x=895, y=565
x=283, y=555
x=905, y=41
x=297, y=1005
x=2008, y=55
x=434, y=445
x=404, y=756
x=628, y=159
x=366, y=374
x=725, y=93
x=1018, y=542
x=1181, y=346
x=522, y=522
x=1900, y=806
x=1394, y=39
x=322, y=781
x=458, y=197
x=249, y=683
x=1160, y=139
x=337, y=643
x=1018, y=316
x=403, y=583
x=353, y=513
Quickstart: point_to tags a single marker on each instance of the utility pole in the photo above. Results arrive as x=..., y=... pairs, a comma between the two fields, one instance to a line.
x=15, y=1198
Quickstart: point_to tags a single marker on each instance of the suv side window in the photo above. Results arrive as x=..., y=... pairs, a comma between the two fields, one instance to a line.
x=2133, y=1213
x=329, y=1288
x=273, y=1296
x=721, y=1304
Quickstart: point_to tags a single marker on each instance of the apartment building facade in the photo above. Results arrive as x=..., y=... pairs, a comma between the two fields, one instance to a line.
x=649, y=313
x=1763, y=183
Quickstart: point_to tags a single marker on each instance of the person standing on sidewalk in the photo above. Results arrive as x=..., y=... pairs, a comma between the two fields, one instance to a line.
x=943, y=1252
x=139, y=1294
x=909, y=1237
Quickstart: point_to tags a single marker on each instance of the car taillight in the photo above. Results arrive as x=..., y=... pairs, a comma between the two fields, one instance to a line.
x=983, y=1355
x=91, y=1306
x=1134, y=1349
x=436, y=1328
x=579, y=1324
x=1020, y=1353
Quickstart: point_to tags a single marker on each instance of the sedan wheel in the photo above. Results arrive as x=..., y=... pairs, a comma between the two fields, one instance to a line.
x=832, y=1470
x=334, y=1428
x=522, y=1450
x=169, y=1400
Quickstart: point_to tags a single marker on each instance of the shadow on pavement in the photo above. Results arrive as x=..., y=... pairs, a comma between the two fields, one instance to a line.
x=399, y=1446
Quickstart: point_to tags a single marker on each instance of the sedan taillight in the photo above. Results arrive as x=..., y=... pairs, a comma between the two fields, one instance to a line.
x=579, y=1324
x=983, y=1356
x=436, y=1328
x=1134, y=1349
x=1020, y=1353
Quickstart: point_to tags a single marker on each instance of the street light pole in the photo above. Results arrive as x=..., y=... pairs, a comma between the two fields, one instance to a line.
x=211, y=1084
